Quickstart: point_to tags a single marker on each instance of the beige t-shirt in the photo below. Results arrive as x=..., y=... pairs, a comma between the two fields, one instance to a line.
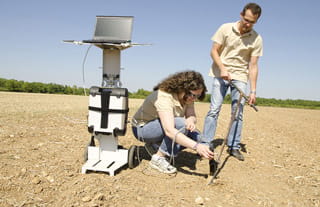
x=158, y=101
x=236, y=50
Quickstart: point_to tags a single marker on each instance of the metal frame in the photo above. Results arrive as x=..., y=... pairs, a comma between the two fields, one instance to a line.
x=107, y=157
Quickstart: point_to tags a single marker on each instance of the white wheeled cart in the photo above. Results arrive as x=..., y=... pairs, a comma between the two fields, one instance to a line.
x=108, y=104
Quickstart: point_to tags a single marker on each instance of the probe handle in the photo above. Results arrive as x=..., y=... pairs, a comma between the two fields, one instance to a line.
x=244, y=96
x=254, y=107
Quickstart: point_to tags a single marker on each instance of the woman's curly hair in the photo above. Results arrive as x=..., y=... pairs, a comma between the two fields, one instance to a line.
x=184, y=81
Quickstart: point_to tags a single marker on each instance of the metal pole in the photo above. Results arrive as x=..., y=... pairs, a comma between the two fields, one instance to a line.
x=233, y=117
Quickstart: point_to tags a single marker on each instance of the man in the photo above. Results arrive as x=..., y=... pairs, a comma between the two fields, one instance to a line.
x=235, y=53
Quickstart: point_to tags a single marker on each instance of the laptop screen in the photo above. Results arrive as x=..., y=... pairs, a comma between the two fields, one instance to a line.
x=113, y=28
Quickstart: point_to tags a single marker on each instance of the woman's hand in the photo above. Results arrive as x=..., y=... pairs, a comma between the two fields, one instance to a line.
x=190, y=124
x=204, y=151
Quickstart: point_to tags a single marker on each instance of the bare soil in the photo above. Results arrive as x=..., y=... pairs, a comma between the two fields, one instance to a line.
x=43, y=139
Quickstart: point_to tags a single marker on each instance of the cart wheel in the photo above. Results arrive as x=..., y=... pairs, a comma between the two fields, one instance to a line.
x=92, y=144
x=132, y=157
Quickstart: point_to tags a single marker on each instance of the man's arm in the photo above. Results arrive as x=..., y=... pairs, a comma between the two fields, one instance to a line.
x=215, y=55
x=253, y=76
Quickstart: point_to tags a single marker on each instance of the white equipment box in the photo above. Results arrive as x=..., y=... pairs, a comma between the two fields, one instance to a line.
x=108, y=110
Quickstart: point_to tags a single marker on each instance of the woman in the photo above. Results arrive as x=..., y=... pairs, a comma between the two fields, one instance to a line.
x=168, y=115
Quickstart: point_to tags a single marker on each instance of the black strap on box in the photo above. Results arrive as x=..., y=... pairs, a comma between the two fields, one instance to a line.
x=105, y=103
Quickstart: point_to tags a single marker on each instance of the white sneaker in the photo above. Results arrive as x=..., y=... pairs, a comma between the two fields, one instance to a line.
x=161, y=164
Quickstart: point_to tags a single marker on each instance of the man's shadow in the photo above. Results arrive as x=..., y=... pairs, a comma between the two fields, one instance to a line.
x=218, y=164
x=187, y=159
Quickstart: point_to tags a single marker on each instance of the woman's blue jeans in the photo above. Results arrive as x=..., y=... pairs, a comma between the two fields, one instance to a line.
x=219, y=91
x=153, y=133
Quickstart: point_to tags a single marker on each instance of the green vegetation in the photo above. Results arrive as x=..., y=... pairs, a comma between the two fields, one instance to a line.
x=52, y=88
x=141, y=93
x=36, y=87
x=289, y=103
x=299, y=103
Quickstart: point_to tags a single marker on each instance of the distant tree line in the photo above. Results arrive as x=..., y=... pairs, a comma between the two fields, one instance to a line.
x=52, y=88
x=140, y=94
x=289, y=103
x=299, y=103
x=37, y=87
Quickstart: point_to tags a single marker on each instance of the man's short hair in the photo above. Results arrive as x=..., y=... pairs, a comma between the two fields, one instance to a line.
x=255, y=8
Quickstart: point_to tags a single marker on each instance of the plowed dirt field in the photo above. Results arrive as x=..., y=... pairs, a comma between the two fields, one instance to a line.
x=43, y=138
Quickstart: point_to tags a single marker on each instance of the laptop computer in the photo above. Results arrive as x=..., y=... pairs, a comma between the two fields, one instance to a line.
x=112, y=29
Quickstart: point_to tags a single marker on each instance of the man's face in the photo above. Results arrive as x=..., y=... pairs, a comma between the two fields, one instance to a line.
x=247, y=21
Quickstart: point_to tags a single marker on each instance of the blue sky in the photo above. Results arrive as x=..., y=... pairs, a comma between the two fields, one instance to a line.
x=179, y=31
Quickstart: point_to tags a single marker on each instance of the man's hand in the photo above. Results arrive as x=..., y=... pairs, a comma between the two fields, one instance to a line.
x=252, y=98
x=225, y=75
